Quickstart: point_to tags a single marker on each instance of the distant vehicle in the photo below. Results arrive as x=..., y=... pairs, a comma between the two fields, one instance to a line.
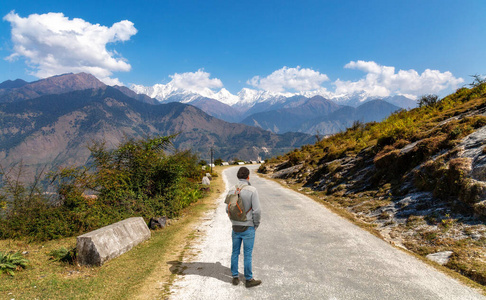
x=261, y=161
x=225, y=163
x=253, y=162
x=240, y=163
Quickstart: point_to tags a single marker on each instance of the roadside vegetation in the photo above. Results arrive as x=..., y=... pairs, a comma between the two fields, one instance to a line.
x=405, y=177
x=144, y=177
x=139, y=178
x=142, y=273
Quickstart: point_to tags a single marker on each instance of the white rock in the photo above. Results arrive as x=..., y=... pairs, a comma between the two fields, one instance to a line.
x=441, y=258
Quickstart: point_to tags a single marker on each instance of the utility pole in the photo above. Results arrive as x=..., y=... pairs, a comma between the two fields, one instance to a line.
x=211, y=160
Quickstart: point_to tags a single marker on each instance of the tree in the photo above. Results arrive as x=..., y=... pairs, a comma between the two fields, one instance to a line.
x=318, y=136
x=478, y=80
x=428, y=100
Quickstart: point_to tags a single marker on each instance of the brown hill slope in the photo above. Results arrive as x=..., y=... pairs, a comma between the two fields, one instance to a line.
x=54, y=130
x=18, y=90
x=53, y=85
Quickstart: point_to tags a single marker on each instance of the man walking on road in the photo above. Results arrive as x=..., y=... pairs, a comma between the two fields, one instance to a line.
x=244, y=231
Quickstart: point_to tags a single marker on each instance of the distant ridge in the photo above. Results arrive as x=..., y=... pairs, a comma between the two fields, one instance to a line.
x=52, y=85
x=55, y=129
x=19, y=90
x=319, y=115
x=9, y=84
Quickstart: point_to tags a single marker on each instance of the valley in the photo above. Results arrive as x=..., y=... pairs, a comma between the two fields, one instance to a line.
x=42, y=130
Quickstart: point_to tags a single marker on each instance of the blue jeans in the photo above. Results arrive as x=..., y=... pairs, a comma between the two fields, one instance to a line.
x=248, y=239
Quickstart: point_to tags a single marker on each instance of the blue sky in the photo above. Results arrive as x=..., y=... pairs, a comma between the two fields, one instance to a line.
x=235, y=41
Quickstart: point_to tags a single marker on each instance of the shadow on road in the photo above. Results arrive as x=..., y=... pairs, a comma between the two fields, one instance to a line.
x=215, y=270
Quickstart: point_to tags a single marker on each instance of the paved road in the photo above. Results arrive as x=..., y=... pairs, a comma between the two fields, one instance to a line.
x=304, y=251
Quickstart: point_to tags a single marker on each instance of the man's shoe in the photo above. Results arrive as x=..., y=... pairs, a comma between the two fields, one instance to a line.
x=252, y=282
x=236, y=280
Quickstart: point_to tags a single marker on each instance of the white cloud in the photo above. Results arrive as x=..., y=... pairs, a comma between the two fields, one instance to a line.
x=286, y=79
x=383, y=81
x=53, y=44
x=195, y=81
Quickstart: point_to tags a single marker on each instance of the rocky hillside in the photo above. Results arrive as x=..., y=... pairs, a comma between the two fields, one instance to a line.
x=418, y=178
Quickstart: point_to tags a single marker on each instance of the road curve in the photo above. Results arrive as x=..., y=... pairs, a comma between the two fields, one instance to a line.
x=304, y=251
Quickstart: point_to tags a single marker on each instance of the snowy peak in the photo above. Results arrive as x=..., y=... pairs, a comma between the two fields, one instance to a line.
x=157, y=91
x=247, y=98
x=226, y=97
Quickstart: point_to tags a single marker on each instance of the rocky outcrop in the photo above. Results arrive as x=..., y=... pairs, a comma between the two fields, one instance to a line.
x=441, y=258
x=474, y=147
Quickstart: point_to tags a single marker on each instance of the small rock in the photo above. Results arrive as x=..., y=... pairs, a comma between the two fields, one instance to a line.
x=158, y=222
x=206, y=181
x=476, y=236
x=441, y=258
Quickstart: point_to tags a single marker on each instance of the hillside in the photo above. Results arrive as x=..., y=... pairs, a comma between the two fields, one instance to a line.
x=318, y=114
x=217, y=109
x=339, y=120
x=55, y=130
x=281, y=118
x=418, y=177
x=19, y=90
x=52, y=85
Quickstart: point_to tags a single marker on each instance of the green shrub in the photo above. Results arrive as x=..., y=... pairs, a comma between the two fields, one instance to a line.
x=10, y=262
x=136, y=179
x=295, y=157
x=428, y=100
x=63, y=255
x=262, y=169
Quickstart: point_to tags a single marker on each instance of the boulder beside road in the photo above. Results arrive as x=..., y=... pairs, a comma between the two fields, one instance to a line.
x=97, y=247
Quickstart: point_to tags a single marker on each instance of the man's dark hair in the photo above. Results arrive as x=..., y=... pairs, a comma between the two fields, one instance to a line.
x=243, y=173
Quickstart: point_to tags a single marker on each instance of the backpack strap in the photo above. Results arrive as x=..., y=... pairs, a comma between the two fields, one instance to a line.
x=238, y=189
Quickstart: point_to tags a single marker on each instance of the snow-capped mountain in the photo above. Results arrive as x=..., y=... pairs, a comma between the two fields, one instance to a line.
x=243, y=101
x=283, y=112
x=247, y=98
x=225, y=97
x=170, y=93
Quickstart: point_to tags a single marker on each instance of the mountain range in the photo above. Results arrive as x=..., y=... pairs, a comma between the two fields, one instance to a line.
x=247, y=98
x=282, y=112
x=50, y=122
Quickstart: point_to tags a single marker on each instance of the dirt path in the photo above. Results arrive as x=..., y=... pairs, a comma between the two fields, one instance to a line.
x=303, y=251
